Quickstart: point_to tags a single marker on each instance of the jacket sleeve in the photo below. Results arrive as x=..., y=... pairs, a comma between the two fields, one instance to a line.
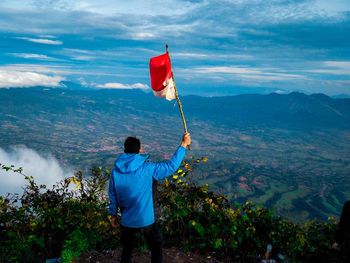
x=165, y=169
x=113, y=201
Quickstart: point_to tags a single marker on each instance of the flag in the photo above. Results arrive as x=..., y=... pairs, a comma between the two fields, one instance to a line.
x=161, y=77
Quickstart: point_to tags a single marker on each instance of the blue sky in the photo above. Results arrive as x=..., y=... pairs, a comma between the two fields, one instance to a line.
x=216, y=47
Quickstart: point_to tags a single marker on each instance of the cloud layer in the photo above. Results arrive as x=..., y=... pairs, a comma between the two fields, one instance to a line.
x=44, y=169
x=123, y=86
x=42, y=41
x=226, y=43
x=12, y=78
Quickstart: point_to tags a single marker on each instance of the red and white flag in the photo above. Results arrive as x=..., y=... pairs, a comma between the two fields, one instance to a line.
x=161, y=77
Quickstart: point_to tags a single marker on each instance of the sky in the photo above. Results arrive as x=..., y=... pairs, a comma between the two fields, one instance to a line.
x=216, y=47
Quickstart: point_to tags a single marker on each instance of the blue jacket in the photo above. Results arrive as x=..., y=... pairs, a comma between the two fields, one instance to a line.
x=130, y=186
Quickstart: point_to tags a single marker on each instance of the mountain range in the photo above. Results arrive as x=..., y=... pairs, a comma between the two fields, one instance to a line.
x=289, y=151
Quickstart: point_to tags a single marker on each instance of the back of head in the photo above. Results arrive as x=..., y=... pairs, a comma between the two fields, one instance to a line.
x=132, y=145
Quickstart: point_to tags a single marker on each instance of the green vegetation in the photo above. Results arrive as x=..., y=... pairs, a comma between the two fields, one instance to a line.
x=73, y=217
x=70, y=218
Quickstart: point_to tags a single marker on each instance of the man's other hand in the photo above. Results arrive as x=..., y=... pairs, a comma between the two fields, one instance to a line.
x=114, y=222
x=186, y=140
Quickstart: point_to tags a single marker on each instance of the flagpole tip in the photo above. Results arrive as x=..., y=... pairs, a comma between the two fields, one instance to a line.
x=166, y=46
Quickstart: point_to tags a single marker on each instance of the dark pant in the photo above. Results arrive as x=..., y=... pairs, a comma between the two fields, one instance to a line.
x=346, y=247
x=153, y=238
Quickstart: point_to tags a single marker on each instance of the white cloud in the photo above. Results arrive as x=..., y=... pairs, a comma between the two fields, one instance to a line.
x=332, y=7
x=12, y=78
x=189, y=55
x=56, y=69
x=123, y=86
x=263, y=74
x=230, y=70
x=80, y=54
x=334, y=68
x=136, y=7
x=44, y=169
x=31, y=56
x=270, y=77
x=280, y=91
x=142, y=36
x=39, y=68
x=106, y=7
x=42, y=40
x=82, y=81
x=338, y=64
x=83, y=58
x=74, y=50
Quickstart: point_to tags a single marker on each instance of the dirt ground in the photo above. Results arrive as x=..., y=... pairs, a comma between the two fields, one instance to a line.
x=170, y=255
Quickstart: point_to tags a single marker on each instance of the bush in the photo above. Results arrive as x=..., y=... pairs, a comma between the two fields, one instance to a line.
x=46, y=221
x=65, y=222
x=199, y=220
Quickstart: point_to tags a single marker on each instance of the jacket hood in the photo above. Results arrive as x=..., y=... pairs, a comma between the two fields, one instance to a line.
x=129, y=162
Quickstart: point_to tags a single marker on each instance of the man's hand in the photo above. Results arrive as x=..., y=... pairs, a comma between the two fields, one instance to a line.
x=114, y=222
x=335, y=246
x=186, y=140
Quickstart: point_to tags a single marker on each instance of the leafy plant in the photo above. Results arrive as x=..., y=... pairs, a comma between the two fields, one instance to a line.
x=72, y=220
x=38, y=224
x=76, y=243
x=199, y=220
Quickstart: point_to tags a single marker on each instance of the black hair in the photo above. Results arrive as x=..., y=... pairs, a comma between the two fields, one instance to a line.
x=132, y=145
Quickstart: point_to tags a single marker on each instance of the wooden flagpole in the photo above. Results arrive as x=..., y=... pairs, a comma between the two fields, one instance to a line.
x=177, y=97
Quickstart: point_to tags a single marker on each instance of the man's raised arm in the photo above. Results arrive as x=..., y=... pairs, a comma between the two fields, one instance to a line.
x=165, y=169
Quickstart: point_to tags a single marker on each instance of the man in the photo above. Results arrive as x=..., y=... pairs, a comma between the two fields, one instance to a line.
x=342, y=233
x=130, y=188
